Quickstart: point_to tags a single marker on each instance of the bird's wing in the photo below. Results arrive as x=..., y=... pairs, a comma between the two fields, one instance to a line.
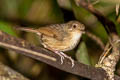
x=54, y=31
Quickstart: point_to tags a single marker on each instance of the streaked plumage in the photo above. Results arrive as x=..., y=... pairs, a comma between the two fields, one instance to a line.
x=59, y=37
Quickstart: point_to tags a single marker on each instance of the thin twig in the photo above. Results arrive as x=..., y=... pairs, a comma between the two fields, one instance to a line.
x=96, y=39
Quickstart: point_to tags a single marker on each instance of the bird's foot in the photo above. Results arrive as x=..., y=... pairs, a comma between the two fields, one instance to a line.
x=62, y=55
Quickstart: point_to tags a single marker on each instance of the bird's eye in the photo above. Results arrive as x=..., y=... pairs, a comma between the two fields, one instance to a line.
x=74, y=25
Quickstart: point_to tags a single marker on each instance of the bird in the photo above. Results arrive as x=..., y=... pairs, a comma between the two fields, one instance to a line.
x=59, y=37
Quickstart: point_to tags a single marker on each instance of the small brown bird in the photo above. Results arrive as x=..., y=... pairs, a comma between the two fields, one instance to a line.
x=59, y=37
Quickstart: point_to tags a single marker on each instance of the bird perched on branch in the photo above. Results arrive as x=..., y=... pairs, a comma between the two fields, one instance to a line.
x=59, y=37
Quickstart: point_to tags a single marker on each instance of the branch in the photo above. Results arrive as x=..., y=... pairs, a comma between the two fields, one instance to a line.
x=96, y=39
x=7, y=73
x=48, y=57
x=109, y=62
x=108, y=24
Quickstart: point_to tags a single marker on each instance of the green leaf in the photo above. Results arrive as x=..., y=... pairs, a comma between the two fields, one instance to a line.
x=111, y=1
x=23, y=7
x=65, y=4
x=82, y=54
x=112, y=17
x=8, y=8
x=7, y=28
x=45, y=12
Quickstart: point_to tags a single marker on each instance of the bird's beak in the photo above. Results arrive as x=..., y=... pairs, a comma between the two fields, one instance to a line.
x=83, y=32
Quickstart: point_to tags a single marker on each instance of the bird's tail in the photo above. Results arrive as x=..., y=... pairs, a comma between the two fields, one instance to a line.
x=26, y=29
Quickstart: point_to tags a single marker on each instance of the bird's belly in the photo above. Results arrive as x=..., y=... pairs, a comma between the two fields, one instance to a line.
x=55, y=44
x=65, y=45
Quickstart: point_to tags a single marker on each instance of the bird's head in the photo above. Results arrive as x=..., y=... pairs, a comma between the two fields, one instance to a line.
x=75, y=27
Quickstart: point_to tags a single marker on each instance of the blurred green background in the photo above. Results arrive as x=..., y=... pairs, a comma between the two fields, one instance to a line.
x=36, y=13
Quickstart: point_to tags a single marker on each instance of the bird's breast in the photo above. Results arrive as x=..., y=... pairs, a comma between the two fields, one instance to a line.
x=72, y=41
x=68, y=43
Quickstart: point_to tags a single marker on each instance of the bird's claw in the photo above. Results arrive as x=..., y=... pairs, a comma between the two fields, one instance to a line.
x=62, y=55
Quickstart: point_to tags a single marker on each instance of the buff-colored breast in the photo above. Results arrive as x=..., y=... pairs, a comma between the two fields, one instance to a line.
x=67, y=44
